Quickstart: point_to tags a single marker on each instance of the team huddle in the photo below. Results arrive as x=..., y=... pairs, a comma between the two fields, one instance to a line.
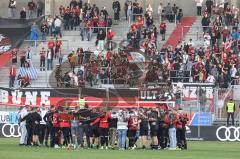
x=103, y=128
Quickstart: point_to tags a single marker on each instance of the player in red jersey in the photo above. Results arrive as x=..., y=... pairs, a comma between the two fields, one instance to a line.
x=103, y=120
x=65, y=125
x=56, y=127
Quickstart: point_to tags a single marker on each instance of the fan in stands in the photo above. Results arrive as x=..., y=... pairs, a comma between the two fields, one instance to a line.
x=5, y=44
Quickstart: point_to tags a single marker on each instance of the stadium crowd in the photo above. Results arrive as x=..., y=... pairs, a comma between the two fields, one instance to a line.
x=214, y=59
x=34, y=9
x=103, y=128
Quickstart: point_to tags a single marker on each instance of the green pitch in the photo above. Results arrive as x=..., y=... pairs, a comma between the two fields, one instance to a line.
x=9, y=149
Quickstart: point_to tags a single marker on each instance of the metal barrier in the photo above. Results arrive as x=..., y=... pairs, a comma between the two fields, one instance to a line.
x=38, y=44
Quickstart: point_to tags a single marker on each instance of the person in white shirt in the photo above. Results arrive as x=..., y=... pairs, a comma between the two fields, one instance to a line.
x=49, y=60
x=43, y=126
x=190, y=43
x=21, y=114
x=233, y=72
x=199, y=7
x=122, y=127
x=210, y=79
x=160, y=8
x=58, y=25
x=12, y=8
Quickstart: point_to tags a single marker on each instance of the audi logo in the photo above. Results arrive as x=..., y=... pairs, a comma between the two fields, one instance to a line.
x=231, y=133
x=11, y=130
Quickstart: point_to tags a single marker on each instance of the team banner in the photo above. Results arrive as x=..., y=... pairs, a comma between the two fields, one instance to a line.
x=53, y=96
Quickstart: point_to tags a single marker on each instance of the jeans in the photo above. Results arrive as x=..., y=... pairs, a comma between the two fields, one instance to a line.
x=129, y=15
x=101, y=45
x=58, y=31
x=11, y=81
x=30, y=14
x=122, y=136
x=44, y=34
x=172, y=138
x=75, y=135
x=49, y=64
x=13, y=12
x=89, y=34
x=82, y=33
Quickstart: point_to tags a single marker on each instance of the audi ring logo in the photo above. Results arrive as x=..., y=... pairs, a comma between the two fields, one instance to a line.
x=231, y=133
x=11, y=130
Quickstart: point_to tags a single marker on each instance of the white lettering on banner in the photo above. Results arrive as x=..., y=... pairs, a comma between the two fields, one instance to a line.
x=4, y=96
x=4, y=117
x=16, y=100
x=45, y=98
x=148, y=94
x=31, y=98
x=187, y=92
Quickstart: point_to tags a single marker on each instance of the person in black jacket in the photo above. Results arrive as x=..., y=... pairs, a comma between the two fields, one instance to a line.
x=205, y=22
x=23, y=14
x=32, y=124
x=209, y=4
x=116, y=9
x=100, y=38
x=36, y=118
x=48, y=118
x=84, y=125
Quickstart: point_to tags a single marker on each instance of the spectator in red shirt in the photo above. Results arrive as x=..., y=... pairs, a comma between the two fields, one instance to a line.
x=12, y=76
x=163, y=28
x=110, y=35
x=26, y=81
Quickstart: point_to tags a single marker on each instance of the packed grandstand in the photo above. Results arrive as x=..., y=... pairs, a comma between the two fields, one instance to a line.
x=109, y=75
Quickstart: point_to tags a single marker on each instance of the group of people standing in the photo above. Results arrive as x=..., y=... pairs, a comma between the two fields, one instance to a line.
x=103, y=128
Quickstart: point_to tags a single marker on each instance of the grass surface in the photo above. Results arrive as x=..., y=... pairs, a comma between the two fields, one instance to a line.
x=9, y=149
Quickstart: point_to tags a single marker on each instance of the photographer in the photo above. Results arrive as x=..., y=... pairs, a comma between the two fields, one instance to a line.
x=12, y=8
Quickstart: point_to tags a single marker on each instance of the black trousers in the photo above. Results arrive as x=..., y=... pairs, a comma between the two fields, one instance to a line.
x=86, y=131
x=104, y=136
x=199, y=11
x=42, y=64
x=228, y=116
x=66, y=135
x=30, y=134
x=42, y=133
x=131, y=137
x=162, y=137
x=53, y=135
